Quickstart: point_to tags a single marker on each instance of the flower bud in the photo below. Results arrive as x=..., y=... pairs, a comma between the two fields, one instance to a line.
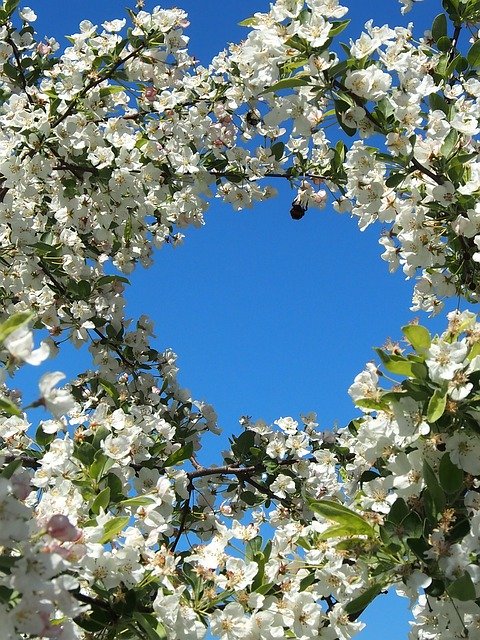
x=61, y=528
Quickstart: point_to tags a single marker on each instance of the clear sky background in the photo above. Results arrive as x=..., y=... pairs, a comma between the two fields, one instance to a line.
x=270, y=317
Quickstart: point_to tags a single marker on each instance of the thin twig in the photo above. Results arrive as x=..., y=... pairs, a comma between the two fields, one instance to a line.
x=360, y=103
x=94, y=83
x=184, y=516
x=16, y=55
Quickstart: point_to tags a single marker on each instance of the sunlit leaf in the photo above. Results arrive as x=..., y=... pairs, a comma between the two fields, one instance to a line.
x=436, y=406
x=114, y=527
x=13, y=323
x=418, y=336
x=335, y=511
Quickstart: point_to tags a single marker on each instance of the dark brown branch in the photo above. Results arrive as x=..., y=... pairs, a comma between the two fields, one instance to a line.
x=93, y=602
x=227, y=470
x=268, y=492
x=227, y=174
x=27, y=461
x=427, y=172
x=455, y=37
x=75, y=169
x=59, y=286
x=114, y=348
x=106, y=606
x=202, y=472
x=3, y=193
x=18, y=61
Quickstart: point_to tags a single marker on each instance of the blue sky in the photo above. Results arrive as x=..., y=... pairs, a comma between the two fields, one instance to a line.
x=270, y=317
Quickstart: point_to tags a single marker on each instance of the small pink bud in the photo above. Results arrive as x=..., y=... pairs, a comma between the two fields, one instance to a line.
x=43, y=48
x=150, y=94
x=61, y=528
x=21, y=486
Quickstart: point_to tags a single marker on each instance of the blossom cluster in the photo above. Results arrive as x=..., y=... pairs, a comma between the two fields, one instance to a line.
x=92, y=524
x=111, y=527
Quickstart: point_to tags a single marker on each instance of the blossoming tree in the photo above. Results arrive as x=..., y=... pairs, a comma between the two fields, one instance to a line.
x=110, y=526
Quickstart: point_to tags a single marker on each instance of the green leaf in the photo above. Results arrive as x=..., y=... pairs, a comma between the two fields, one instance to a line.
x=460, y=529
x=412, y=525
x=462, y=63
x=350, y=544
x=116, y=487
x=444, y=43
x=109, y=279
x=112, y=88
x=399, y=365
x=248, y=22
x=100, y=465
x=395, y=179
x=340, y=107
x=113, y=527
x=474, y=351
x=439, y=26
x=289, y=83
x=127, y=233
x=178, y=456
x=307, y=581
x=8, y=471
x=398, y=511
x=43, y=439
x=449, y=143
x=109, y=387
x=263, y=589
x=277, y=149
x=370, y=403
x=100, y=434
x=338, y=27
x=436, y=405
x=338, y=531
x=336, y=70
x=344, y=516
x=362, y=601
x=139, y=501
x=473, y=55
x=97, y=620
x=451, y=7
x=242, y=444
x=304, y=543
x=418, y=336
x=14, y=323
x=251, y=498
x=85, y=453
x=10, y=6
x=439, y=103
x=436, y=492
x=462, y=588
x=450, y=476
x=436, y=588
x=83, y=289
x=419, y=546
x=101, y=501
x=253, y=547
x=8, y=407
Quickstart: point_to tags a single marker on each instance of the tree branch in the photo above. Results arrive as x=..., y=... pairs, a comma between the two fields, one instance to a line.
x=91, y=85
x=360, y=103
x=18, y=61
